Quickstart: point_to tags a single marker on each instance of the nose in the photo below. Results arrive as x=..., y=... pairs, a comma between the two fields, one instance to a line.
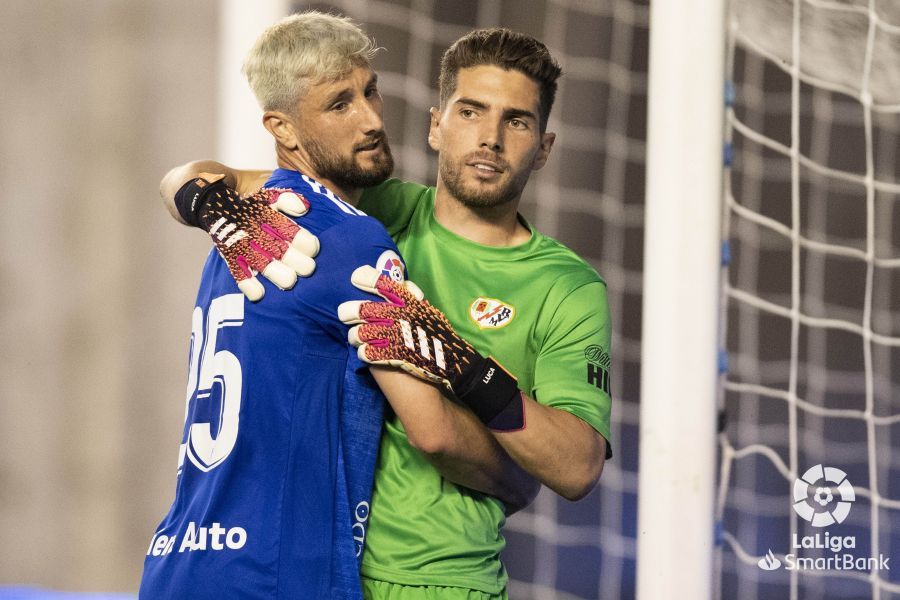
x=492, y=135
x=371, y=120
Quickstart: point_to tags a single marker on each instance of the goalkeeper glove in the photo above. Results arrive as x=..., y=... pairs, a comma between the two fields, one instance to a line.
x=406, y=331
x=250, y=236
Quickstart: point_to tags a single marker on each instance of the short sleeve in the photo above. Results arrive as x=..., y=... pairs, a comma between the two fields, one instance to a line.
x=393, y=203
x=572, y=370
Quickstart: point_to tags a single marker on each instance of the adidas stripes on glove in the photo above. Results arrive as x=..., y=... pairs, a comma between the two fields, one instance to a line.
x=406, y=331
x=249, y=232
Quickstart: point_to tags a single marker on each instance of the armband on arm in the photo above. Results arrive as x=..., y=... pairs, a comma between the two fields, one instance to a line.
x=406, y=331
x=249, y=232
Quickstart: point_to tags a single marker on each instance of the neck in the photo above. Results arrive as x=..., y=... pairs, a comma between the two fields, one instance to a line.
x=294, y=161
x=490, y=226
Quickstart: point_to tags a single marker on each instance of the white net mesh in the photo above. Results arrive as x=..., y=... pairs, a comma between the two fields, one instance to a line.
x=812, y=288
x=590, y=196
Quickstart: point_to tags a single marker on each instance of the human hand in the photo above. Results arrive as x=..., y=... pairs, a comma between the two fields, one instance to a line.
x=250, y=233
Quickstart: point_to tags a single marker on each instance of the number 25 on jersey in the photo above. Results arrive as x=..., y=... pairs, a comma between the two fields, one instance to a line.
x=216, y=378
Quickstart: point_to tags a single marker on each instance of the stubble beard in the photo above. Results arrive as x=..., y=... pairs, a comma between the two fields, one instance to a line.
x=485, y=198
x=345, y=171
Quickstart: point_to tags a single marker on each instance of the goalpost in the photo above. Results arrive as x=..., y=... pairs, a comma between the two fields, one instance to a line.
x=243, y=142
x=676, y=475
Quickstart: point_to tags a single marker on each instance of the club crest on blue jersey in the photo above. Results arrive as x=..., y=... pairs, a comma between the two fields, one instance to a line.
x=391, y=265
x=490, y=313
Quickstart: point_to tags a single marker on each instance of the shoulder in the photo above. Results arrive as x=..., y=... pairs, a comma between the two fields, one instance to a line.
x=395, y=202
x=569, y=270
x=394, y=188
x=326, y=210
x=359, y=230
x=573, y=294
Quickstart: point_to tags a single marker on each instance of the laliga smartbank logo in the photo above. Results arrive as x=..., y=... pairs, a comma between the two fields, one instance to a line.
x=822, y=497
x=821, y=485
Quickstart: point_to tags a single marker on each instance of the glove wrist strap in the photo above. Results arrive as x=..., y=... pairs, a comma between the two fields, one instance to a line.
x=193, y=196
x=492, y=394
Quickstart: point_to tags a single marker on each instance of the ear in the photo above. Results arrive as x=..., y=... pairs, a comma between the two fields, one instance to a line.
x=540, y=159
x=282, y=128
x=434, y=129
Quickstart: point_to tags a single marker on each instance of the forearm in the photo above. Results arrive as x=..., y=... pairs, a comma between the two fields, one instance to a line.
x=559, y=449
x=476, y=460
x=244, y=181
x=454, y=441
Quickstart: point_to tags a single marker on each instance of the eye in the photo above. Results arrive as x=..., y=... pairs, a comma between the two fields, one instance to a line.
x=518, y=124
x=467, y=113
x=372, y=92
x=339, y=106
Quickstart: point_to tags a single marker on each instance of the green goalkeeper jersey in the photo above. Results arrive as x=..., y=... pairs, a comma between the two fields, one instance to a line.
x=537, y=308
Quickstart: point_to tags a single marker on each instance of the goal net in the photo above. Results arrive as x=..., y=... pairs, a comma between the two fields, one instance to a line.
x=811, y=302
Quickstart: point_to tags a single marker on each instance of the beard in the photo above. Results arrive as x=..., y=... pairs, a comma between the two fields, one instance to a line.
x=345, y=171
x=481, y=197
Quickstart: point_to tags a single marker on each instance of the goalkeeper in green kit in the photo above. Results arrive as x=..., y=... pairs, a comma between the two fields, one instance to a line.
x=521, y=359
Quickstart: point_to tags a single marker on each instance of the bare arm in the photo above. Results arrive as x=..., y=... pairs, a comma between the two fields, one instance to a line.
x=454, y=441
x=244, y=181
x=559, y=449
x=556, y=448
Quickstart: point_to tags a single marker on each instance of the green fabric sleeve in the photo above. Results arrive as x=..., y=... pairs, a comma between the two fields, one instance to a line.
x=393, y=203
x=572, y=371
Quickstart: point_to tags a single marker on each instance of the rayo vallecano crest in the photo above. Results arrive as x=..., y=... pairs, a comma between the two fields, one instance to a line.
x=490, y=313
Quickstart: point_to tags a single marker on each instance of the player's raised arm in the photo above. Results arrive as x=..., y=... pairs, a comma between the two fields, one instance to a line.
x=249, y=234
x=243, y=181
x=557, y=447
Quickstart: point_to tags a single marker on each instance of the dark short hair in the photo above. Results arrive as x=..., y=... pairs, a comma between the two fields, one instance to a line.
x=508, y=50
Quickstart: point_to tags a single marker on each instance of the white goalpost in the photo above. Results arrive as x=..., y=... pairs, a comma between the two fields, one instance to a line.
x=242, y=140
x=676, y=475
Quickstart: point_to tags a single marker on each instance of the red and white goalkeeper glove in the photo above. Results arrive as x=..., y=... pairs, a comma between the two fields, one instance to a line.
x=406, y=331
x=249, y=232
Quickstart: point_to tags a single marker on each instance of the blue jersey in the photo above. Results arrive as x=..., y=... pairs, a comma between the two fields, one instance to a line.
x=282, y=424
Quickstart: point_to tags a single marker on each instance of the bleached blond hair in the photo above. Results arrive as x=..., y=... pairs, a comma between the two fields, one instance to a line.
x=300, y=51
